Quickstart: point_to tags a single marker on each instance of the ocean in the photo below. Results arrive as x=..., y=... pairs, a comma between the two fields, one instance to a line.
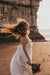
x=45, y=33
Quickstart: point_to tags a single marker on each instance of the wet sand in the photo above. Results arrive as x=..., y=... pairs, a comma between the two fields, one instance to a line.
x=40, y=54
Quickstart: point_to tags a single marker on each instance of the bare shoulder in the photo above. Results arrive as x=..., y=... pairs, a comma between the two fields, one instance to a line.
x=24, y=40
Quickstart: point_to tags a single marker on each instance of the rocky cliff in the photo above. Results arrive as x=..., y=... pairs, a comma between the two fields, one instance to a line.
x=10, y=10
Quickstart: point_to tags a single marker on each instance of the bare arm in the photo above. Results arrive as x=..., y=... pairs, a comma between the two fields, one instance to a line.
x=28, y=67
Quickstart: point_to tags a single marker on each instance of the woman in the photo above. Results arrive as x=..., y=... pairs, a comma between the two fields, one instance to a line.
x=23, y=55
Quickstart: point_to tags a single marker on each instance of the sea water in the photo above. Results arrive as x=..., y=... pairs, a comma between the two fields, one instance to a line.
x=45, y=33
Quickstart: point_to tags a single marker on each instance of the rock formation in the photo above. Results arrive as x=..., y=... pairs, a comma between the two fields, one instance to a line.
x=10, y=10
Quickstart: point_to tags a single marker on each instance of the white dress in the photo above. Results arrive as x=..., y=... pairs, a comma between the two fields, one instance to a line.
x=19, y=60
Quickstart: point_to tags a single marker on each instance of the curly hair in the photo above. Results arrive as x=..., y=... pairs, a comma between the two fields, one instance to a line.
x=20, y=28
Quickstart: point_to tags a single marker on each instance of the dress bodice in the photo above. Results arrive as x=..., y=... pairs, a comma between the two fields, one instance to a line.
x=28, y=45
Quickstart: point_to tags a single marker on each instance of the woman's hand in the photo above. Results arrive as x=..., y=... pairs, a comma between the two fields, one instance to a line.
x=29, y=62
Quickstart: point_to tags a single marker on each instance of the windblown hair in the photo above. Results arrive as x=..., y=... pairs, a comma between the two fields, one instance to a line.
x=18, y=29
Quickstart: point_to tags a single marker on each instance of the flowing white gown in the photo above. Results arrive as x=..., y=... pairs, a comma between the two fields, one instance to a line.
x=19, y=60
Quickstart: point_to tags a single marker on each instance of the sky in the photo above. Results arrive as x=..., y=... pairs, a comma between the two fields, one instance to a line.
x=43, y=20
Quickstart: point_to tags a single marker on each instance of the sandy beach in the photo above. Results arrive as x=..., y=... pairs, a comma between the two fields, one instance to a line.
x=40, y=54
